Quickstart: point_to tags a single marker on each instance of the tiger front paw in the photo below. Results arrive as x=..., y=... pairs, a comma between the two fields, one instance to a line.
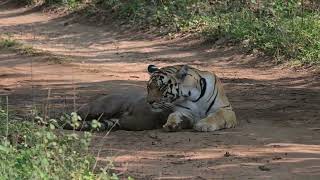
x=173, y=123
x=171, y=127
x=205, y=127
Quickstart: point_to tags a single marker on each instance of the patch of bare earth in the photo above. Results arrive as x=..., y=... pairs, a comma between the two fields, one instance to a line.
x=278, y=109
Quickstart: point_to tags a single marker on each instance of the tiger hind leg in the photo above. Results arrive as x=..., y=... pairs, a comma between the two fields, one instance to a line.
x=220, y=119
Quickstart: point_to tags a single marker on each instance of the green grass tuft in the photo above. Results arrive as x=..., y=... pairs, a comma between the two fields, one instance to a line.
x=33, y=151
x=8, y=43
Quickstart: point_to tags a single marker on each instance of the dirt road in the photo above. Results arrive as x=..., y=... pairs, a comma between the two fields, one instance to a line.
x=278, y=109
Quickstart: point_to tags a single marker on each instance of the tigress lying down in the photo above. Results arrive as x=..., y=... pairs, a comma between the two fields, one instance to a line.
x=196, y=98
x=125, y=109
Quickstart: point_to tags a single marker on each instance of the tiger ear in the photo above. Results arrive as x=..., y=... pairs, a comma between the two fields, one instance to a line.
x=152, y=69
x=182, y=73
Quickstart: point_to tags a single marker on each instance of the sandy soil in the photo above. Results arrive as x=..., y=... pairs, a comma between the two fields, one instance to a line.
x=278, y=108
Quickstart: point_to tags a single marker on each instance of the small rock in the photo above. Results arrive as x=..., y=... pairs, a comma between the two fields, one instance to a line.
x=227, y=154
x=177, y=162
x=137, y=77
x=264, y=168
x=276, y=158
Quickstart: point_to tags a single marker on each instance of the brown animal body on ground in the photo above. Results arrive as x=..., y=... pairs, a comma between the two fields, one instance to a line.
x=127, y=108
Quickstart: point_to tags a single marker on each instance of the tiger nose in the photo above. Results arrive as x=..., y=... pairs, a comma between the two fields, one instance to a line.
x=151, y=100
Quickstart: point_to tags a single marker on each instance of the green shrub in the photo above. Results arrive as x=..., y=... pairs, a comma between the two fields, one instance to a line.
x=71, y=3
x=295, y=37
x=7, y=43
x=31, y=151
x=173, y=15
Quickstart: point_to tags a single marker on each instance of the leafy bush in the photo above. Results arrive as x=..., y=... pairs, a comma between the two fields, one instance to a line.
x=31, y=151
x=71, y=3
x=174, y=15
x=7, y=43
x=276, y=32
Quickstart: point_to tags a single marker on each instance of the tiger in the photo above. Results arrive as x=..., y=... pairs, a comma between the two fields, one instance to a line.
x=196, y=98
x=124, y=107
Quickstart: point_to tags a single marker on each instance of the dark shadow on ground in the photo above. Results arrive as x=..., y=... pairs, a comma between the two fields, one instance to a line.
x=253, y=100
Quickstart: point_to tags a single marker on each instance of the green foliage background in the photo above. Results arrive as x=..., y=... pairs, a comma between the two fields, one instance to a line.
x=285, y=29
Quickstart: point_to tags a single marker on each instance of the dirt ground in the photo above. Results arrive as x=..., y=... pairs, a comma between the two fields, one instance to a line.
x=277, y=107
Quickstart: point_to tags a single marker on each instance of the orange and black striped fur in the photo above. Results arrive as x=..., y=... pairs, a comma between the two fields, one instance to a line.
x=196, y=98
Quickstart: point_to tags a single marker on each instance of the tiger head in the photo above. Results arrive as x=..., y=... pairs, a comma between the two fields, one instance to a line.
x=165, y=85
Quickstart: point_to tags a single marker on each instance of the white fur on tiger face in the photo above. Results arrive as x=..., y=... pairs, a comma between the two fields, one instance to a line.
x=196, y=97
